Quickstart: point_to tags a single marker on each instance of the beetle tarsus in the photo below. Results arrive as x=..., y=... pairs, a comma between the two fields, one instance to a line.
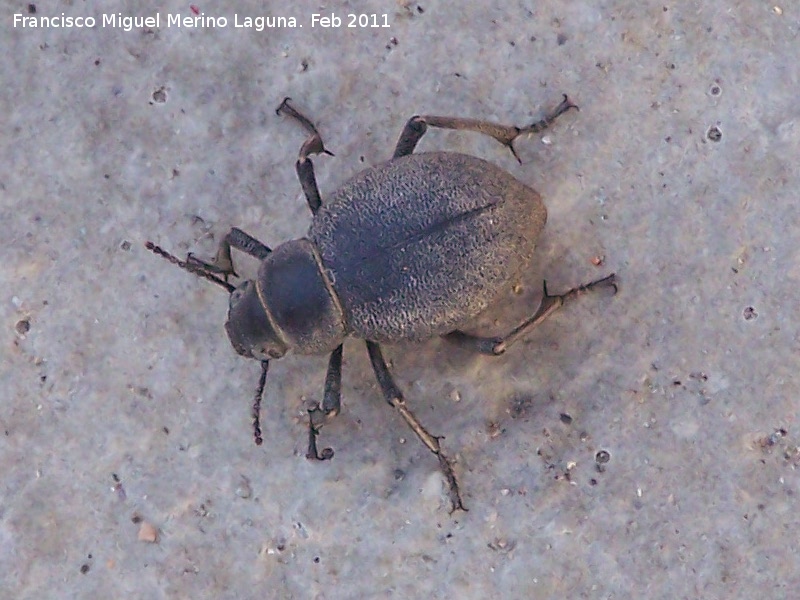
x=541, y=125
x=312, y=145
x=417, y=125
x=222, y=263
x=607, y=281
x=316, y=419
x=494, y=346
x=291, y=111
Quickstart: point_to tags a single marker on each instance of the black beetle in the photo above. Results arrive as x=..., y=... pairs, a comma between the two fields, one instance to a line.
x=406, y=250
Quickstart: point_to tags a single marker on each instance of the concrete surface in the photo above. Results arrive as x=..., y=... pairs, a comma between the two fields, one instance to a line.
x=125, y=413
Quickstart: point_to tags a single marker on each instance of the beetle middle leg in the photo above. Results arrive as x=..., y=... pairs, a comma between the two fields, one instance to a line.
x=331, y=405
x=312, y=145
x=495, y=346
x=417, y=125
x=394, y=397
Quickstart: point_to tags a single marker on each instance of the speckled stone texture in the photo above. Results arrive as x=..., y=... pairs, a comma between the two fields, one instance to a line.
x=643, y=445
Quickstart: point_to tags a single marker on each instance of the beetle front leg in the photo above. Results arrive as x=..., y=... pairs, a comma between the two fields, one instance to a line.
x=331, y=405
x=416, y=127
x=222, y=263
x=394, y=397
x=495, y=346
x=304, y=166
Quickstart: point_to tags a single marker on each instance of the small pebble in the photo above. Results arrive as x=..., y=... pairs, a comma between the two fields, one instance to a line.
x=147, y=533
x=243, y=490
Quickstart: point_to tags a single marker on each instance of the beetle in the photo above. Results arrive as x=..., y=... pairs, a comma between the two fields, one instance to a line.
x=406, y=250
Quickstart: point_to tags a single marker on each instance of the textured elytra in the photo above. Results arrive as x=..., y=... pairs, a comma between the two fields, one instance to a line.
x=419, y=245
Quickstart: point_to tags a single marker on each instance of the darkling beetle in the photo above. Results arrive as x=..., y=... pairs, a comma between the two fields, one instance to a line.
x=409, y=249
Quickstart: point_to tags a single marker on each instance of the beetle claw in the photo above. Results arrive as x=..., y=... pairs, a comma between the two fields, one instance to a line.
x=316, y=419
x=565, y=105
x=510, y=146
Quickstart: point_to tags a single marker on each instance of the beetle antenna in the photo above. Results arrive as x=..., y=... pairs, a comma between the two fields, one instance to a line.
x=199, y=271
x=257, y=403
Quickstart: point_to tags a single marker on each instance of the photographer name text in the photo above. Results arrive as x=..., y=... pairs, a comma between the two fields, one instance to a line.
x=200, y=21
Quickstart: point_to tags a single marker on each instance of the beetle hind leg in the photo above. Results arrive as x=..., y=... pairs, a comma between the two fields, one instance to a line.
x=494, y=346
x=394, y=397
x=416, y=127
x=312, y=145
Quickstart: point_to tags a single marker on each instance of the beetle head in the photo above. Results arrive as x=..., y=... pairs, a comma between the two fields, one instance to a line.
x=248, y=326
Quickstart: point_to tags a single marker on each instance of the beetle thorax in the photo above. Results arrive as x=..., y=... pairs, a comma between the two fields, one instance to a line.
x=299, y=300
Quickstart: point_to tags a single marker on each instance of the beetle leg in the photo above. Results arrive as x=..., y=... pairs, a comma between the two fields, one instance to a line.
x=304, y=166
x=316, y=419
x=332, y=398
x=494, y=346
x=200, y=271
x=223, y=263
x=394, y=397
x=416, y=127
x=331, y=404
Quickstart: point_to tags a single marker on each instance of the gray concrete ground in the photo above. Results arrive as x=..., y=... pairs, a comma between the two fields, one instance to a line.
x=125, y=413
